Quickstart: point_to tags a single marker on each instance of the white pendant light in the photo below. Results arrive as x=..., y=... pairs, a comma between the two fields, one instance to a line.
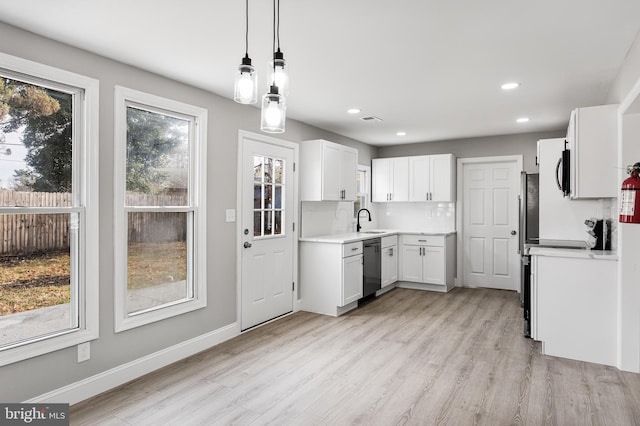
x=246, y=80
x=274, y=111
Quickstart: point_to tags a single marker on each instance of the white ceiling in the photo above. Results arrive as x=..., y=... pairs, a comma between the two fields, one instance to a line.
x=432, y=68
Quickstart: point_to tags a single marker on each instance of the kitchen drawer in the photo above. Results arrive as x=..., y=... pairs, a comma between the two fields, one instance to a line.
x=389, y=241
x=423, y=240
x=352, y=249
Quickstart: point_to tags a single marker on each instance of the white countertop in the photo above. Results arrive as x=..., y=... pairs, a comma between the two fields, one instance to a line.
x=365, y=235
x=573, y=253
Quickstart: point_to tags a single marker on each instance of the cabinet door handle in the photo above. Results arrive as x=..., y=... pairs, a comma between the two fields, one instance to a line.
x=354, y=249
x=422, y=241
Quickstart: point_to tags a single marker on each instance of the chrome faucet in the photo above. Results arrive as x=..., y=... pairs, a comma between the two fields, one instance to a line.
x=358, y=227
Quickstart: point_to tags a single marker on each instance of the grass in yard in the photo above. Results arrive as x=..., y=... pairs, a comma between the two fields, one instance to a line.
x=156, y=263
x=33, y=281
x=40, y=280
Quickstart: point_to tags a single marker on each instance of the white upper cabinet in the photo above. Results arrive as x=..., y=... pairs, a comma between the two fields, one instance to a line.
x=327, y=171
x=418, y=178
x=593, y=142
x=432, y=178
x=390, y=179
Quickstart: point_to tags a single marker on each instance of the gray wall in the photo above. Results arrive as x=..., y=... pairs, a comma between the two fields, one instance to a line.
x=490, y=146
x=36, y=376
x=628, y=74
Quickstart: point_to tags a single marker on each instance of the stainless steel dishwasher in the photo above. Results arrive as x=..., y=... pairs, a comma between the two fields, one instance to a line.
x=372, y=268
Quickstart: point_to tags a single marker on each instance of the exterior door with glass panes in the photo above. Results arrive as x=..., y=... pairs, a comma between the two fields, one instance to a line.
x=267, y=230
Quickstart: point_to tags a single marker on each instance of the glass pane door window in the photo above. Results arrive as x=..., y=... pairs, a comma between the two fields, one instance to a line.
x=268, y=196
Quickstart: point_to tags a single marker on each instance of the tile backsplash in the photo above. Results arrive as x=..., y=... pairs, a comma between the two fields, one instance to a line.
x=328, y=218
x=423, y=217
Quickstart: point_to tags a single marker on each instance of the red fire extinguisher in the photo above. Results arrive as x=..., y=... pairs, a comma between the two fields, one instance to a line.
x=630, y=196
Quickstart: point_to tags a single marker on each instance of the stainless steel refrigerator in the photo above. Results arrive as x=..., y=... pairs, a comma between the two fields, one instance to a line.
x=529, y=235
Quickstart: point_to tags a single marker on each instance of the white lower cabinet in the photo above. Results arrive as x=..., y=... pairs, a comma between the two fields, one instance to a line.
x=428, y=260
x=330, y=276
x=574, y=307
x=389, y=260
x=351, y=279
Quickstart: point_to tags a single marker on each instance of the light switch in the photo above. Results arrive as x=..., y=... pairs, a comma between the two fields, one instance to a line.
x=230, y=215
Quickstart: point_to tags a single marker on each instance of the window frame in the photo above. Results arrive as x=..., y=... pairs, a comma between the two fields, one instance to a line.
x=124, y=98
x=85, y=159
x=365, y=196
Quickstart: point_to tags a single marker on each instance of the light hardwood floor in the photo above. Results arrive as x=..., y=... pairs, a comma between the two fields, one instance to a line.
x=408, y=357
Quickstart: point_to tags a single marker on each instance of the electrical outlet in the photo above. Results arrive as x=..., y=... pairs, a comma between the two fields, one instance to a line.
x=84, y=351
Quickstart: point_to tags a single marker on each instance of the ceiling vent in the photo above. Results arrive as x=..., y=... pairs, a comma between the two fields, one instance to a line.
x=371, y=119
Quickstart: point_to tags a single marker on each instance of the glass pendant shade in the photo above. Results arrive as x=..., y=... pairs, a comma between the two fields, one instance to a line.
x=246, y=83
x=273, y=112
x=278, y=73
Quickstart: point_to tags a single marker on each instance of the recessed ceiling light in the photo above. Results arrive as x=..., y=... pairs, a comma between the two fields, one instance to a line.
x=401, y=133
x=522, y=119
x=353, y=110
x=510, y=86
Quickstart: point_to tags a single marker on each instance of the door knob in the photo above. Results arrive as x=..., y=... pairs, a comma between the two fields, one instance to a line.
x=247, y=244
x=513, y=232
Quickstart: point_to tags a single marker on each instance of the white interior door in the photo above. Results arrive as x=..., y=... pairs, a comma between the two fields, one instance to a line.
x=490, y=224
x=267, y=238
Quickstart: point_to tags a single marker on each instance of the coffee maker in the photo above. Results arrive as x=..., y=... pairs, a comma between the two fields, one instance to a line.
x=600, y=230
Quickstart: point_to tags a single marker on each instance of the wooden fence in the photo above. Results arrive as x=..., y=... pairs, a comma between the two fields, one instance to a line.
x=33, y=233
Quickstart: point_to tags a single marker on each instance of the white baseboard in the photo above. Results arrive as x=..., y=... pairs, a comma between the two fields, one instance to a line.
x=419, y=286
x=102, y=382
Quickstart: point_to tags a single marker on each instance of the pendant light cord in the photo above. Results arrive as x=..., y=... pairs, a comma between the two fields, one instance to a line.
x=278, y=32
x=274, y=42
x=246, y=31
x=274, y=25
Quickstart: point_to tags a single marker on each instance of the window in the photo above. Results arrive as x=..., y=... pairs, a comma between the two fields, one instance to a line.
x=363, y=175
x=48, y=209
x=160, y=217
x=268, y=196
